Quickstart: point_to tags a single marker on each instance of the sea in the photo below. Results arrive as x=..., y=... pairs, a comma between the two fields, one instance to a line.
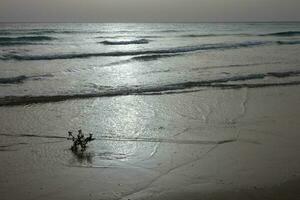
x=49, y=62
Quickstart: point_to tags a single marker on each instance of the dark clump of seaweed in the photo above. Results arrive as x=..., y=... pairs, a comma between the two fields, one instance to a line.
x=80, y=141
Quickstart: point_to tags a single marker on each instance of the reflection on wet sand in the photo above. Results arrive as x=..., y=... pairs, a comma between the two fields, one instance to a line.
x=83, y=157
x=155, y=148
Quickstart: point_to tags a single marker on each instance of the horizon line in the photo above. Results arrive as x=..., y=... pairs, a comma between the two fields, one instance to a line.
x=149, y=22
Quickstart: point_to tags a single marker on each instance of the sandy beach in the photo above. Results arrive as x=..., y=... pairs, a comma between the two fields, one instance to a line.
x=211, y=144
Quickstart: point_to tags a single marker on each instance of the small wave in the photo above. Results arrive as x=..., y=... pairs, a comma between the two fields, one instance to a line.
x=201, y=35
x=141, y=31
x=22, y=78
x=214, y=35
x=283, y=34
x=108, y=37
x=141, y=41
x=122, y=36
x=288, y=42
x=153, y=57
x=223, y=83
x=178, y=50
x=144, y=58
x=18, y=43
x=150, y=36
x=39, y=77
x=24, y=40
x=283, y=74
x=5, y=32
x=41, y=31
x=254, y=85
x=234, y=66
x=169, y=31
x=13, y=80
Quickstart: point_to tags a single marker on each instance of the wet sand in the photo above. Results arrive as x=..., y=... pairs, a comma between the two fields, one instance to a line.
x=214, y=144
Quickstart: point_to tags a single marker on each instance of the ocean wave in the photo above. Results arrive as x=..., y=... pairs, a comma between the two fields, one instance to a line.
x=283, y=34
x=142, y=31
x=177, y=50
x=142, y=36
x=169, y=31
x=288, y=42
x=150, y=36
x=283, y=74
x=41, y=31
x=214, y=35
x=143, y=58
x=24, y=40
x=153, y=57
x=201, y=35
x=19, y=43
x=109, y=37
x=125, y=42
x=254, y=85
x=13, y=80
x=22, y=78
x=234, y=82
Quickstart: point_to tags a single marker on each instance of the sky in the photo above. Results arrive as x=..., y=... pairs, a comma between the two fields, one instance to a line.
x=148, y=10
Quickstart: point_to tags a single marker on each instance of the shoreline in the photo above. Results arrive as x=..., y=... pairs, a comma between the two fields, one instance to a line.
x=248, y=147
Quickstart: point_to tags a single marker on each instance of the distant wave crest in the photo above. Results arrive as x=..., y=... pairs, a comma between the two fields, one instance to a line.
x=24, y=40
x=40, y=31
x=284, y=34
x=158, y=52
x=289, y=42
x=125, y=42
x=281, y=34
x=214, y=35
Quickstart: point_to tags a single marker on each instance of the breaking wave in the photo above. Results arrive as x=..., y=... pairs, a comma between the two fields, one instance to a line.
x=141, y=41
x=185, y=49
x=222, y=83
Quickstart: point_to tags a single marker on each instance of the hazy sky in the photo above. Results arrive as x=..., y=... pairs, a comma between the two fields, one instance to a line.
x=149, y=10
